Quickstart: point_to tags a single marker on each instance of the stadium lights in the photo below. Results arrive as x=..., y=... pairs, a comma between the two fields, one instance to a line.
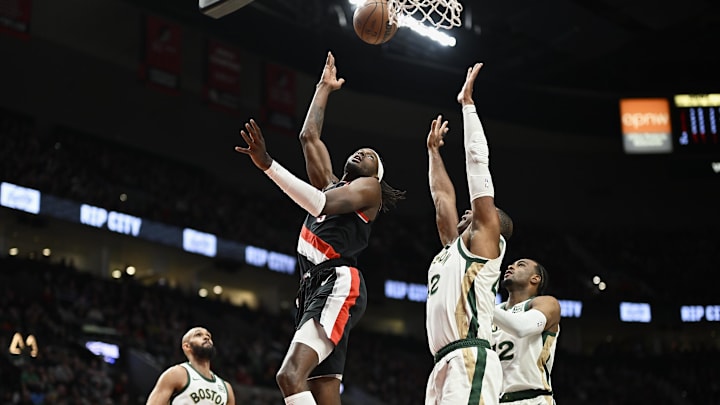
x=430, y=32
x=420, y=28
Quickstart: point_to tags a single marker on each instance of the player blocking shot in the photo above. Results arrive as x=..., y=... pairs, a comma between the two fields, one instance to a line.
x=463, y=277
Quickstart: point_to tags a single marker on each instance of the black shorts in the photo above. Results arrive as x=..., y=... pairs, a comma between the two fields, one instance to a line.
x=335, y=296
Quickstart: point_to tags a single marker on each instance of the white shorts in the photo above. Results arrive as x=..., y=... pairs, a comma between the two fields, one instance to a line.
x=463, y=377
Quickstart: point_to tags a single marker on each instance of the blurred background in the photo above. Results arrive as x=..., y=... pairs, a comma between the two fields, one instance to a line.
x=126, y=217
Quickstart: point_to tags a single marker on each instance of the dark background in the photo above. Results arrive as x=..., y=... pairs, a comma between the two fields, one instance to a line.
x=548, y=95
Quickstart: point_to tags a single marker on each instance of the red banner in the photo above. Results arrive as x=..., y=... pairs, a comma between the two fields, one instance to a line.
x=15, y=17
x=163, y=58
x=223, y=66
x=280, y=97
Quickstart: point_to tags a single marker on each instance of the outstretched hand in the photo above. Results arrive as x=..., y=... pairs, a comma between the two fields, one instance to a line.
x=252, y=134
x=436, y=137
x=465, y=96
x=329, y=74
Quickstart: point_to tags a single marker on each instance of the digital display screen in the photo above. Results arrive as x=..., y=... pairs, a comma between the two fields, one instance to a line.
x=695, y=123
x=108, y=351
x=635, y=312
x=570, y=308
x=646, y=125
x=697, y=313
x=190, y=240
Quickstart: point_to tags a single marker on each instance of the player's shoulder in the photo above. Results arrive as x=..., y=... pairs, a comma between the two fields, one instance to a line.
x=365, y=181
x=177, y=371
x=175, y=376
x=547, y=301
x=544, y=298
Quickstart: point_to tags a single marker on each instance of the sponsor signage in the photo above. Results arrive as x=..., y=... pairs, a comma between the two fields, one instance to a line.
x=190, y=240
x=646, y=126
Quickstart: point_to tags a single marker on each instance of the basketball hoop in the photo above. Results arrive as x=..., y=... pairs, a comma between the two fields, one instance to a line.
x=439, y=13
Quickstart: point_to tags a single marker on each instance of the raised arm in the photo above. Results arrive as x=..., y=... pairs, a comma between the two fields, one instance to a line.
x=172, y=380
x=361, y=194
x=317, y=158
x=485, y=225
x=441, y=187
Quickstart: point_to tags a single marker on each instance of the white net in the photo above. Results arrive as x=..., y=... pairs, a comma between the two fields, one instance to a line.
x=439, y=13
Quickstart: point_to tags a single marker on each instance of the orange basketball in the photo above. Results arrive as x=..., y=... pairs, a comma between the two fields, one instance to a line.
x=372, y=22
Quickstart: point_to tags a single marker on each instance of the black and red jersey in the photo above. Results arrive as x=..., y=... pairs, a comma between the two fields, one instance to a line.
x=331, y=237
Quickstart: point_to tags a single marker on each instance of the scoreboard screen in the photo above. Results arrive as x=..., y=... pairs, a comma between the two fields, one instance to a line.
x=695, y=123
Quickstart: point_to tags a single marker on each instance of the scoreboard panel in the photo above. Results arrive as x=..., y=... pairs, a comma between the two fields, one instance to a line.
x=695, y=124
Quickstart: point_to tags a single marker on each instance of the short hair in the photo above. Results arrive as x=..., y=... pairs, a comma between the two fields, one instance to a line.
x=542, y=272
x=506, y=224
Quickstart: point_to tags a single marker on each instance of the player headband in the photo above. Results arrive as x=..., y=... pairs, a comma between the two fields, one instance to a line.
x=381, y=168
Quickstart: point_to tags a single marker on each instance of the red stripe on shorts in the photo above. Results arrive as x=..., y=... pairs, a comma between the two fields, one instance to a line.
x=344, y=315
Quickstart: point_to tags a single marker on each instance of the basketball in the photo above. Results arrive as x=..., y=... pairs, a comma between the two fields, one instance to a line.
x=372, y=22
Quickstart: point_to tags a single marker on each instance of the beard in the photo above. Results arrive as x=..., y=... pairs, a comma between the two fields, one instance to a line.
x=507, y=283
x=203, y=352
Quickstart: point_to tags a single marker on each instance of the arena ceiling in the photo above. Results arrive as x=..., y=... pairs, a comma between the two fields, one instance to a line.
x=540, y=57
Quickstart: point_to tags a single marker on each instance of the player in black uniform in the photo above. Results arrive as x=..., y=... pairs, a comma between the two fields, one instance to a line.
x=332, y=294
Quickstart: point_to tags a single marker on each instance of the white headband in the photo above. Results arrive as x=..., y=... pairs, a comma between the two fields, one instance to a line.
x=381, y=168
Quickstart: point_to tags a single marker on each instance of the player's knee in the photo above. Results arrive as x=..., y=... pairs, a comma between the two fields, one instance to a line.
x=289, y=380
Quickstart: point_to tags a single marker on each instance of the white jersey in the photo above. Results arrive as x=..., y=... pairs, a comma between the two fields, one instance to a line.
x=527, y=362
x=461, y=295
x=200, y=390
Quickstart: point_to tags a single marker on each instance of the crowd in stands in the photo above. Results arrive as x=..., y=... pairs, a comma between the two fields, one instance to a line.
x=70, y=164
x=55, y=302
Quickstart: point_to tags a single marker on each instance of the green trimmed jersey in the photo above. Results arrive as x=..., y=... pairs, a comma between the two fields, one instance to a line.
x=461, y=295
x=527, y=362
x=200, y=390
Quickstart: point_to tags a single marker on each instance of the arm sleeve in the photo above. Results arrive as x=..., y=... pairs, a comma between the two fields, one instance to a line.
x=522, y=324
x=305, y=195
x=477, y=155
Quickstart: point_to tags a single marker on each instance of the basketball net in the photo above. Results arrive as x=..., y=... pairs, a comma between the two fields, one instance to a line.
x=439, y=13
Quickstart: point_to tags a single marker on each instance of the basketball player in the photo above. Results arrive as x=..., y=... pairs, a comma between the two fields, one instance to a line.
x=332, y=295
x=528, y=325
x=463, y=277
x=193, y=382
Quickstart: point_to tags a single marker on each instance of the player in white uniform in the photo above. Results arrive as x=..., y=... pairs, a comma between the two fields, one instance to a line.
x=526, y=332
x=193, y=383
x=463, y=278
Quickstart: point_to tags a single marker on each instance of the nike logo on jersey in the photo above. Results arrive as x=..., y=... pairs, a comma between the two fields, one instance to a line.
x=325, y=281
